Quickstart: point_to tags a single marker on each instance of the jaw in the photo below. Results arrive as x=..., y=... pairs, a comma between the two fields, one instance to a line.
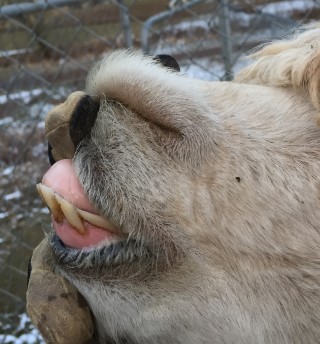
x=128, y=183
x=117, y=259
x=83, y=241
x=88, y=244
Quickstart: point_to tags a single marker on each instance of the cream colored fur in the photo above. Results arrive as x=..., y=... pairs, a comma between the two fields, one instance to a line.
x=288, y=63
x=220, y=180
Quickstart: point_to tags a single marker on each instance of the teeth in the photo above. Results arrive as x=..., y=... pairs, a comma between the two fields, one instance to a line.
x=48, y=197
x=97, y=220
x=71, y=215
x=62, y=209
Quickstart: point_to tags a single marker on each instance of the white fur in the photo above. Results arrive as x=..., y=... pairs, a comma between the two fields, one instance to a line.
x=225, y=174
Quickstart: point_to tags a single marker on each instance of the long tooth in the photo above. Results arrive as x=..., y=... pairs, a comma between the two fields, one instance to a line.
x=71, y=215
x=61, y=208
x=48, y=197
x=98, y=221
x=39, y=186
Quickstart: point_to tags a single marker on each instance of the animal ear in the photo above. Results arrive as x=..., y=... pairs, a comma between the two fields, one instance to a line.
x=168, y=61
x=68, y=124
x=290, y=63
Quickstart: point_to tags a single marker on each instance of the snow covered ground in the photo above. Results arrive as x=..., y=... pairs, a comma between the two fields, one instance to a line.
x=286, y=8
x=32, y=337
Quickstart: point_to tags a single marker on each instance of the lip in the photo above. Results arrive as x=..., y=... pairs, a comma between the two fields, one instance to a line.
x=114, y=253
x=78, y=228
x=62, y=209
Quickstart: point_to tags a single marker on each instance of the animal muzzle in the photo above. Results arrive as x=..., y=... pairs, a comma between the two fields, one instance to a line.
x=68, y=124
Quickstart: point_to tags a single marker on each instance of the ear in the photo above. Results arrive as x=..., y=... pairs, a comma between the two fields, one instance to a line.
x=294, y=62
x=168, y=61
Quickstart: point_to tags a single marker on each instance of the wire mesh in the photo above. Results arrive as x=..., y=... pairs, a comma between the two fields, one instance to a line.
x=46, y=49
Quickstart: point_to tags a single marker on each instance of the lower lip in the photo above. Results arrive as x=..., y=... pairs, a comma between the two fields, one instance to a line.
x=73, y=239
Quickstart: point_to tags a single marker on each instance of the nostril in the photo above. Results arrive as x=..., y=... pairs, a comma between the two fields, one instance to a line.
x=50, y=155
x=83, y=119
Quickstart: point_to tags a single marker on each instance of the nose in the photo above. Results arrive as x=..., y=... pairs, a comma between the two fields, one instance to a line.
x=68, y=124
x=83, y=119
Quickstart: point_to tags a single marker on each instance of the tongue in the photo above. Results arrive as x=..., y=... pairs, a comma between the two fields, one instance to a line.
x=73, y=239
x=62, y=179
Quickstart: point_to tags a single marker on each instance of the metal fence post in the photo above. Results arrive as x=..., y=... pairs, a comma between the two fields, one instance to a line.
x=125, y=21
x=147, y=26
x=225, y=38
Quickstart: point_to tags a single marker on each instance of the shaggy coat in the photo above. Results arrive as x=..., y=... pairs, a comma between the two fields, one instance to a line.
x=216, y=187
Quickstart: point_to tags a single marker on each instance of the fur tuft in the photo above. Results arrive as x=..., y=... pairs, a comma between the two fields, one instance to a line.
x=140, y=82
x=288, y=63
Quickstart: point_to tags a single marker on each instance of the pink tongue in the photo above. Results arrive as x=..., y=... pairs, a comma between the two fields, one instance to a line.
x=72, y=239
x=62, y=179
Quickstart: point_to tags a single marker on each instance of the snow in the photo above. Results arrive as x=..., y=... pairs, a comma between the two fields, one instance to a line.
x=39, y=149
x=7, y=171
x=33, y=337
x=195, y=24
x=204, y=71
x=6, y=120
x=41, y=125
x=3, y=216
x=44, y=210
x=14, y=195
x=28, y=338
x=24, y=96
x=13, y=52
x=39, y=110
x=287, y=7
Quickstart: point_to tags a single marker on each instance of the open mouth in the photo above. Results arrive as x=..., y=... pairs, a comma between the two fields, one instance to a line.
x=75, y=221
x=82, y=239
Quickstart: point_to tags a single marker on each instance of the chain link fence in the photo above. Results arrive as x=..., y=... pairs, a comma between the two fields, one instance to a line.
x=46, y=49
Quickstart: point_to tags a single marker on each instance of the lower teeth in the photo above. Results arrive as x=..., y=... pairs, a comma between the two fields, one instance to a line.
x=62, y=209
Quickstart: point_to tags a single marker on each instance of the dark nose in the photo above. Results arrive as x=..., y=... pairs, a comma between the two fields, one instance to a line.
x=82, y=119
x=68, y=124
